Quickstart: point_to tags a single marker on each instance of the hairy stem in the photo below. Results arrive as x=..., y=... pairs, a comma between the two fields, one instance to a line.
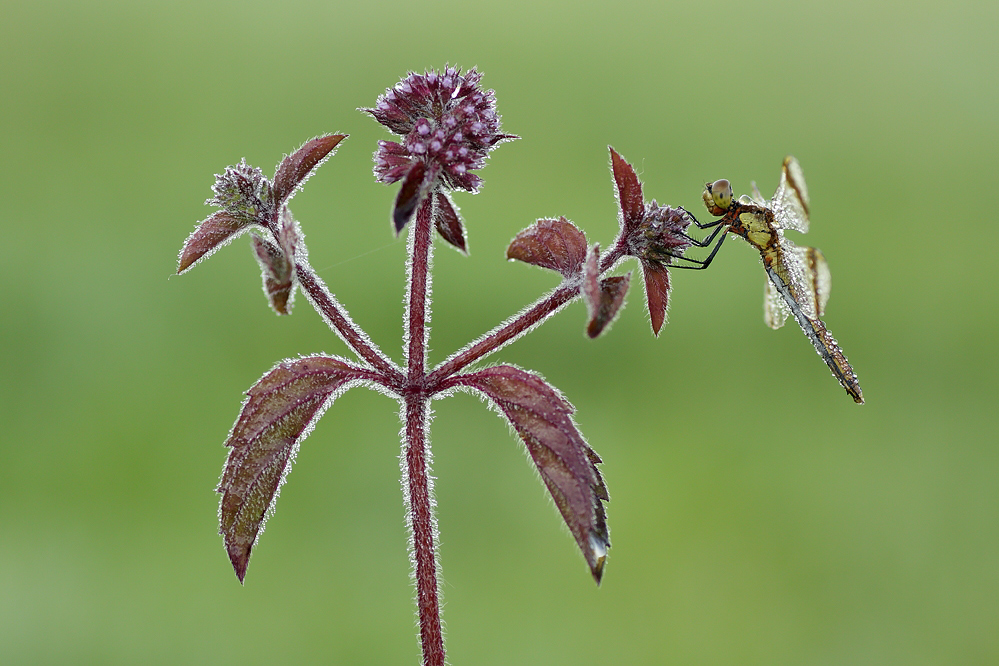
x=417, y=303
x=509, y=330
x=418, y=485
x=504, y=333
x=421, y=516
x=337, y=318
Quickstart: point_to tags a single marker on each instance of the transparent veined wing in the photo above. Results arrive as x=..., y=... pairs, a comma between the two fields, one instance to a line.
x=798, y=267
x=822, y=278
x=775, y=310
x=807, y=275
x=790, y=202
x=756, y=197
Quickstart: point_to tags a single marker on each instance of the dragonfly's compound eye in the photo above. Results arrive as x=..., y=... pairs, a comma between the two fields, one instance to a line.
x=721, y=193
x=717, y=196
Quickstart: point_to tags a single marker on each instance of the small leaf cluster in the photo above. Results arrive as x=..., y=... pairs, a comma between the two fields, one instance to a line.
x=249, y=201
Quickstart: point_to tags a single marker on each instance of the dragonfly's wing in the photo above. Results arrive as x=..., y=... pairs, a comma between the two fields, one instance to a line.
x=756, y=196
x=821, y=277
x=790, y=202
x=798, y=267
x=775, y=310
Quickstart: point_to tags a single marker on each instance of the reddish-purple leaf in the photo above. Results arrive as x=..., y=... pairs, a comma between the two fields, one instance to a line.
x=411, y=194
x=448, y=222
x=296, y=168
x=612, y=293
x=657, y=292
x=277, y=274
x=567, y=464
x=277, y=264
x=279, y=413
x=604, y=298
x=629, y=191
x=210, y=235
x=558, y=245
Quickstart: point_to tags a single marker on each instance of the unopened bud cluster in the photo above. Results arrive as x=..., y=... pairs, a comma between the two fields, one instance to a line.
x=661, y=234
x=242, y=190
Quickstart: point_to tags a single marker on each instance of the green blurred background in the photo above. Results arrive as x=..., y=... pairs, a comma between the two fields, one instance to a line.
x=758, y=515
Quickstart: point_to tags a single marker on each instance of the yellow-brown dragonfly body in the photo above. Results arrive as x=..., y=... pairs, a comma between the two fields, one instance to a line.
x=799, y=277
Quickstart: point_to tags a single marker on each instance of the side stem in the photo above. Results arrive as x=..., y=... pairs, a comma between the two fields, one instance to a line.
x=337, y=318
x=509, y=330
x=334, y=314
x=418, y=479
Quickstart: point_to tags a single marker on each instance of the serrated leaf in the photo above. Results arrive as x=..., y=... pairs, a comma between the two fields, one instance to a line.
x=629, y=191
x=448, y=222
x=280, y=411
x=211, y=234
x=656, y=292
x=296, y=168
x=558, y=245
x=567, y=464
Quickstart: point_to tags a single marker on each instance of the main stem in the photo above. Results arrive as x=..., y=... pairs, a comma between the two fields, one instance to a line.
x=417, y=403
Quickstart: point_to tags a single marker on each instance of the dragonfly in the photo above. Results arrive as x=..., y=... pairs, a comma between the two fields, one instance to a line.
x=799, y=277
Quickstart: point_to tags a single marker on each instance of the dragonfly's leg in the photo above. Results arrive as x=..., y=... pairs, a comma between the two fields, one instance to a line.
x=706, y=241
x=699, y=225
x=698, y=264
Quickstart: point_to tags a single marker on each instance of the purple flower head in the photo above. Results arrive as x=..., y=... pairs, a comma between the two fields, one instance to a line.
x=660, y=234
x=654, y=234
x=448, y=125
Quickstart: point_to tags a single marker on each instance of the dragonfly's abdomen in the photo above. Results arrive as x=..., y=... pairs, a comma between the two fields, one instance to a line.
x=823, y=341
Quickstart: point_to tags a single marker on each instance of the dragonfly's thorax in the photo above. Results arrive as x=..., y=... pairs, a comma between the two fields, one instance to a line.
x=756, y=225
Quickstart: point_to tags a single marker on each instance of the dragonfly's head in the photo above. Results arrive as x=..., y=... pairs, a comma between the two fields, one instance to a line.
x=717, y=196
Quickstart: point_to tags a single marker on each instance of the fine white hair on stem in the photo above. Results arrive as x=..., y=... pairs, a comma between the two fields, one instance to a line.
x=410, y=248
x=305, y=267
x=428, y=460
